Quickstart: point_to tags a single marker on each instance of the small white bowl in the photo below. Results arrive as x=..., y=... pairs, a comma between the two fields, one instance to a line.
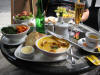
x=27, y=52
x=51, y=54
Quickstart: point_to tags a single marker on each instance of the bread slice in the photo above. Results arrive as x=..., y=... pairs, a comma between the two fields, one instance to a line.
x=32, y=37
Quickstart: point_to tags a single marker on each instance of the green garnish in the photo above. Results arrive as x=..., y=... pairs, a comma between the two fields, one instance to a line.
x=54, y=47
x=9, y=30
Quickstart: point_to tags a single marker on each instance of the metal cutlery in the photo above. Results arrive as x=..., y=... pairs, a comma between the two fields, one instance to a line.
x=72, y=58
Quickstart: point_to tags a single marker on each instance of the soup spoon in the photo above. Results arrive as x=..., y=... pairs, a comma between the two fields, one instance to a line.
x=72, y=58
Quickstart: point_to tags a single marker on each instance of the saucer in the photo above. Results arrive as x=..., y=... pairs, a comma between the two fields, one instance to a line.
x=86, y=48
x=39, y=57
x=8, y=42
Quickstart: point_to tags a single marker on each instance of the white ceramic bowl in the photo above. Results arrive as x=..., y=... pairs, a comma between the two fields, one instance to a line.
x=27, y=52
x=18, y=36
x=52, y=54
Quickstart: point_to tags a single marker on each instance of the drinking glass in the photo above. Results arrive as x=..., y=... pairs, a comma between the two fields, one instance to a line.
x=79, y=9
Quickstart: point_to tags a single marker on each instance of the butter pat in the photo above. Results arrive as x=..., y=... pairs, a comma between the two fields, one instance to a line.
x=27, y=49
x=27, y=52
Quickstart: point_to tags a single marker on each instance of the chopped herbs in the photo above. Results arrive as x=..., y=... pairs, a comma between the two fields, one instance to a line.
x=54, y=47
x=9, y=30
x=12, y=30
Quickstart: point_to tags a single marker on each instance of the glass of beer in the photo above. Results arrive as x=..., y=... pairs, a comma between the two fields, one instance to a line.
x=79, y=9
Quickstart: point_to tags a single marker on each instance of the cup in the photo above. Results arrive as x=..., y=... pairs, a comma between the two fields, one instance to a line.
x=27, y=52
x=92, y=39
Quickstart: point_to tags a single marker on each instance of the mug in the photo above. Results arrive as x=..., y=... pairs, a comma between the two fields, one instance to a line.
x=92, y=39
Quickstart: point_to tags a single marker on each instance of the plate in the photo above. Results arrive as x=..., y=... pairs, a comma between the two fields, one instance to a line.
x=39, y=57
x=88, y=49
x=8, y=42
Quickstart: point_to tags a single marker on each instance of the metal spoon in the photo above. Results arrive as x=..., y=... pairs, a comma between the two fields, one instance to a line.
x=72, y=59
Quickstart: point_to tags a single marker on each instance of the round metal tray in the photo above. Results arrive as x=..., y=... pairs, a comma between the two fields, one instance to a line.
x=61, y=67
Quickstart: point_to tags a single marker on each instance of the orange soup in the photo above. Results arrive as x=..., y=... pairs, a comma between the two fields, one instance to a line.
x=53, y=44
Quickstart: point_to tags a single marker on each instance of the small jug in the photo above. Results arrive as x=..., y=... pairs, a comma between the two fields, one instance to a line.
x=62, y=29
